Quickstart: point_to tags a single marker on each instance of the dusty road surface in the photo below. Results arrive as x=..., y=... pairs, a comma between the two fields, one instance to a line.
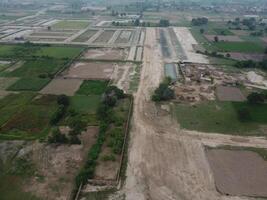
x=165, y=162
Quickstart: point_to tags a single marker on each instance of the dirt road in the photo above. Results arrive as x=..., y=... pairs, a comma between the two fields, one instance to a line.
x=165, y=162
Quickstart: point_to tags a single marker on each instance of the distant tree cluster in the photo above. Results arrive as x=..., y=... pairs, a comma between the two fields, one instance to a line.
x=164, y=92
x=199, y=21
x=164, y=23
x=252, y=64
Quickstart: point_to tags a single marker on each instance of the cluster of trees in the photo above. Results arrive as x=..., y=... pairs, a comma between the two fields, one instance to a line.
x=199, y=21
x=251, y=23
x=252, y=64
x=63, y=102
x=164, y=92
x=164, y=23
x=106, y=117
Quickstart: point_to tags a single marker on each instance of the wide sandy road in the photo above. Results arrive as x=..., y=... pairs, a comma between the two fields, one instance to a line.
x=165, y=162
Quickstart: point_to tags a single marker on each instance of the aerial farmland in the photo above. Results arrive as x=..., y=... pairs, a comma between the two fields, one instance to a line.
x=133, y=100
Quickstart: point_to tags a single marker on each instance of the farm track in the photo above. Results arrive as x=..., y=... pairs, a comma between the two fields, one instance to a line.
x=166, y=162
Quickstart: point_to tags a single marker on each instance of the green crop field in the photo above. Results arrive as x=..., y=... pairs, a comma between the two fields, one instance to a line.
x=220, y=117
x=37, y=67
x=59, y=52
x=29, y=84
x=240, y=47
x=92, y=87
x=85, y=104
x=68, y=24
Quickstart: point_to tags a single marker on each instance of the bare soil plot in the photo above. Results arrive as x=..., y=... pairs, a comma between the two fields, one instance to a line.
x=46, y=39
x=106, y=54
x=105, y=36
x=238, y=172
x=264, y=39
x=85, y=36
x=248, y=56
x=240, y=32
x=124, y=37
x=225, y=93
x=51, y=34
x=6, y=82
x=90, y=70
x=62, y=86
x=226, y=38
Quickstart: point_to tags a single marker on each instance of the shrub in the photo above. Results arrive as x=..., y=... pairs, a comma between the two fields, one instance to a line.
x=57, y=116
x=163, y=92
x=244, y=115
x=63, y=100
x=108, y=158
x=256, y=98
x=74, y=140
x=57, y=137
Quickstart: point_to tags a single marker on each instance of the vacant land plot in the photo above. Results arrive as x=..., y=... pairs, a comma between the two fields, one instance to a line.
x=225, y=38
x=239, y=47
x=70, y=24
x=124, y=37
x=59, y=52
x=248, y=56
x=225, y=93
x=90, y=70
x=6, y=82
x=85, y=36
x=60, y=86
x=105, y=36
x=92, y=87
x=220, y=117
x=37, y=67
x=239, y=173
x=85, y=104
x=29, y=84
x=106, y=54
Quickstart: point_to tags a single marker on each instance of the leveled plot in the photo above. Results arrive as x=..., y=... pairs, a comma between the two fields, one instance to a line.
x=248, y=56
x=229, y=94
x=6, y=82
x=70, y=24
x=238, y=173
x=37, y=68
x=240, y=47
x=124, y=37
x=29, y=84
x=226, y=38
x=105, y=36
x=62, y=86
x=85, y=36
x=106, y=54
x=89, y=70
x=92, y=87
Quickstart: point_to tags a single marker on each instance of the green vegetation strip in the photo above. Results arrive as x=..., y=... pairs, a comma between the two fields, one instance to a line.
x=92, y=87
x=221, y=117
x=245, y=47
x=29, y=84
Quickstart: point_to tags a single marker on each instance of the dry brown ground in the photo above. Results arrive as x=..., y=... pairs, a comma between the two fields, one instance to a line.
x=89, y=70
x=238, y=172
x=105, y=36
x=164, y=161
x=248, y=56
x=225, y=93
x=62, y=86
x=106, y=54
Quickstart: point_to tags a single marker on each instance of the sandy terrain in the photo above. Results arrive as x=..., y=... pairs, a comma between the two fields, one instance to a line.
x=238, y=172
x=89, y=70
x=229, y=94
x=164, y=161
x=62, y=86
x=187, y=42
x=106, y=54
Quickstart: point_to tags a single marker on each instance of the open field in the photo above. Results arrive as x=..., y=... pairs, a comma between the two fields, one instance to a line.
x=248, y=47
x=248, y=56
x=29, y=84
x=105, y=36
x=106, y=54
x=62, y=86
x=220, y=117
x=228, y=38
x=124, y=37
x=89, y=70
x=92, y=87
x=70, y=24
x=236, y=172
x=85, y=36
x=229, y=94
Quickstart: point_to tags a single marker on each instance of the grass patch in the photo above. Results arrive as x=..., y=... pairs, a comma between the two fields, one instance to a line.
x=218, y=117
x=239, y=47
x=29, y=84
x=68, y=24
x=59, y=52
x=35, y=68
x=92, y=87
x=222, y=31
x=85, y=104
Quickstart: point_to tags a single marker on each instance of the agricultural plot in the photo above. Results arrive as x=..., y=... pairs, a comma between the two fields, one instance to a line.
x=248, y=56
x=106, y=54
x=238, y=172
x=105, y=36
x=89, y=71
x=124, y=37
x=246, y=47
x=225, y=93
x=60, y=86
x=71, y=24
x=92, y=87
x=29, y=84
x=225, y=38
x=85, y=36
